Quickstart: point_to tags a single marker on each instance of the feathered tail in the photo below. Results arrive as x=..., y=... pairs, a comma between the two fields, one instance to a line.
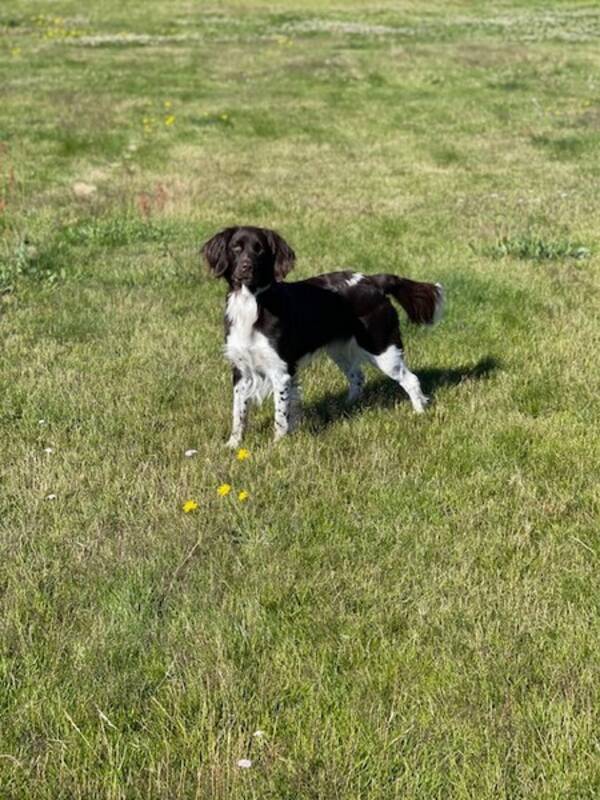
x=423, y=302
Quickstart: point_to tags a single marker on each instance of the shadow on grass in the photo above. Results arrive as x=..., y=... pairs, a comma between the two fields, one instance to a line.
x=385, y=393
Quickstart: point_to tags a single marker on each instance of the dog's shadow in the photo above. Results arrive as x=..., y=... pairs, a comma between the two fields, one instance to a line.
x=385, y=393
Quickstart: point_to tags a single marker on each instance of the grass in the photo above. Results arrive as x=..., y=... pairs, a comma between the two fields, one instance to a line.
x=536, y=248
x=404, y=606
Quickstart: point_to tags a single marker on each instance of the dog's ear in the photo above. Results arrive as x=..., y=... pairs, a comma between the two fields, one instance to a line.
x=215, y=251
x=283, y=254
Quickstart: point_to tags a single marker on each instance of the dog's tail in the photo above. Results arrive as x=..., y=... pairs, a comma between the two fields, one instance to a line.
x=423, y=302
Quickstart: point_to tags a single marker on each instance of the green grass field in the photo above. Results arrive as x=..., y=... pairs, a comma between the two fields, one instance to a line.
x=405, y=607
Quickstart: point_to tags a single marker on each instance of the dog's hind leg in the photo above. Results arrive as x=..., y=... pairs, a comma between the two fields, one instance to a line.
x=379, y=337
x=345, y=357
x=391, y=363
x=356, y=382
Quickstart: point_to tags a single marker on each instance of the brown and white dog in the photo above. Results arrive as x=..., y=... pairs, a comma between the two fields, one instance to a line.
x=272, y=327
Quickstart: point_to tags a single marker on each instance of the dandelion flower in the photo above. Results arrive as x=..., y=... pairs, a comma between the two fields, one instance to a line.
x=170, y=119
x=258, y=734
x=243, y=454
x=243, y=495
x=224, y=489
x=244, y=763
x=190, y=505
x=168, y=104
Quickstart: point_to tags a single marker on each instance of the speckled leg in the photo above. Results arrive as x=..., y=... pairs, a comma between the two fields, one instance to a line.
x=285, y=392
x=345, y=357
x=241, y=398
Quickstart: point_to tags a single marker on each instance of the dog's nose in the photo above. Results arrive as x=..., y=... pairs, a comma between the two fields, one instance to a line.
x=244, y=271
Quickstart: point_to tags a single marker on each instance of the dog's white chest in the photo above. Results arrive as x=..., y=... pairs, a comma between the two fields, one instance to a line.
x=247, y=348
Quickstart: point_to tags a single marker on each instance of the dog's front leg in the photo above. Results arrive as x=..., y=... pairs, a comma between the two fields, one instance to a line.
x=283, y=391
x=241, y=398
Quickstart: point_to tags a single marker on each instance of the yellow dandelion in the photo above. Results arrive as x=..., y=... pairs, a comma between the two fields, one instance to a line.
x=170, y=120
x=244, y=495
x=243, y=454
x=168, y=104
x=190, y=505
x=224, y=489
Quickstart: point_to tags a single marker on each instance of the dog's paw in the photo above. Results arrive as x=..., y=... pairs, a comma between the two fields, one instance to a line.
x=232, y=444
x=420, y=405
x=353, y=396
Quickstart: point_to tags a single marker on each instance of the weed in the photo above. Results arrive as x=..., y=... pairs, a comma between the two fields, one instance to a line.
x=535, y=248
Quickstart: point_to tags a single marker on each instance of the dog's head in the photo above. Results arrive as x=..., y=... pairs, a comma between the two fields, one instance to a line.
x=247, y=256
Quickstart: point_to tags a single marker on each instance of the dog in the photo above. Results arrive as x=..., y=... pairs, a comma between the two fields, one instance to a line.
x=272, y=327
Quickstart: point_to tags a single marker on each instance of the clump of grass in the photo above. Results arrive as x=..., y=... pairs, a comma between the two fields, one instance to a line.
x=44, y=264
x=221, y=119
x=447, y=156
x=72, y=143
x=535, y=248
x=49, y=259
x=116, y=231
x=564, y=147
